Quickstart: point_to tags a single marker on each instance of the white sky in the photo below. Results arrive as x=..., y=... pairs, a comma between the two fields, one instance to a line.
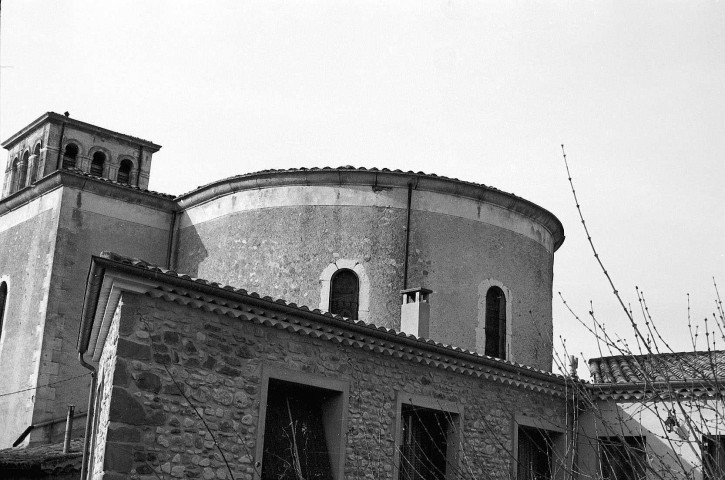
x=480, y=91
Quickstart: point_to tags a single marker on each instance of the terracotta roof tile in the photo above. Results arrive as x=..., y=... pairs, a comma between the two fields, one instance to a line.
x=81, y=173
x=349, y=168
x=47, y=458
x=639, y=369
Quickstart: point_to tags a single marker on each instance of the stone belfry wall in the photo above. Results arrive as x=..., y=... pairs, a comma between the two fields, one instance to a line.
x=55, y=141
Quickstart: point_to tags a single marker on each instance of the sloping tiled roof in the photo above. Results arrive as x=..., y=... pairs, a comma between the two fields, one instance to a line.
x=135, y=262
x=664, y=367
x=81, y=173
x=46, y=459
x=345, y=168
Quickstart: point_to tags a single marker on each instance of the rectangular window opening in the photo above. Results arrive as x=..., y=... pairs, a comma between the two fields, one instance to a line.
x=713, y=457
x=535, y=448
x=623, y=458
x=427, y=450
x=301, y=427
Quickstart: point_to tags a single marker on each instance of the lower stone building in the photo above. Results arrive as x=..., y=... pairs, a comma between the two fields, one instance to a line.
x=200, y=380
x=659, y=415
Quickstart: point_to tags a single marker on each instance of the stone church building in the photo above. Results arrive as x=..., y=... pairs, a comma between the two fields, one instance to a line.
x=320, y=323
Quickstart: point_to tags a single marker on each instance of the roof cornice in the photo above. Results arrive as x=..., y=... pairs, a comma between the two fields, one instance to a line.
x=656, y=391
x=76, y=179
x=381, y=179
x=244, y=306
x=52, y=117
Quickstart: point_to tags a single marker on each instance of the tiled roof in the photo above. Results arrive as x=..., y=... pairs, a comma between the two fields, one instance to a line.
x=48, y=459
x=664, y=367
x=346, y=168
x=135, y=262
x=81, y=173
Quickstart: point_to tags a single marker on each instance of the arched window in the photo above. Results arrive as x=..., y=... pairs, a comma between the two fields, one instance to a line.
x=3, y=298
x=23, y=170
x=344, y=294
x=99, y=159
x=495, y=323
x=70, y=155
x=124, y=172
x=14, y=175
x=35, y=167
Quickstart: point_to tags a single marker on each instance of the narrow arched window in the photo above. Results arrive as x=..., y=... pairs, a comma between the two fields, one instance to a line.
x=14, y=175
x=495, y=323
x=23, y=171
x=3, y=300
x=124, y=172
x=35, y=167
x=99, y=159
x=344, y=294
x=70, y=155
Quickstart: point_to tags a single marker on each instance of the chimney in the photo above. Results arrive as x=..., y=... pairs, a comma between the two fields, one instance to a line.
x=415, y=311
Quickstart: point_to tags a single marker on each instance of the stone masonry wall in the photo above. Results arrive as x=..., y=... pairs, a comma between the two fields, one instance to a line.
x=218, y=361
x=106, y=371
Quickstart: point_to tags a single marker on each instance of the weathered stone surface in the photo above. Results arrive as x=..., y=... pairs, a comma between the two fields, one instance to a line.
x=171, y=338
x=120, y=375
x=149, y=382
x=118, y=457
x=125, y=408
x=124, y=435
x=132, y=350
x=229, y=399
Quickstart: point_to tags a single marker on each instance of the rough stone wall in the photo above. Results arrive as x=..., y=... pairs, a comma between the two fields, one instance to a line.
x=104, y=387
x=27, y=241
x=282, y=251
x=218, y=362
x=89, y=224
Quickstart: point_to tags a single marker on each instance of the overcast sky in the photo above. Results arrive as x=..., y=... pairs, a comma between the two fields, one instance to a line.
x=484, y=92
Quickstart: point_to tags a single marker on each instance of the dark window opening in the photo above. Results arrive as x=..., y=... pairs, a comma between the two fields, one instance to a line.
x=535, y=454
x=424, y=451
x=623, y=458
x=23, y=171
x=344, y=294
x=3, y=300
x=713, y=457
x=35, y=168
x=14, y=175
x=495, y=323
x=124, y=172
x=99, y=159
x=300, y=427
x=70, y=155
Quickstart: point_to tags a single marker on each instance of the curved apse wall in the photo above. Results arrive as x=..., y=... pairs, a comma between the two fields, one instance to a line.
x=284, y=233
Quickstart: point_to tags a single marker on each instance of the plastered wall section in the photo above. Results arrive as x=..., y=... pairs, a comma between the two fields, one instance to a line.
x=89, y=224
x=278, y=241
x=219, y=361
x=27, y=240
x=671, y=455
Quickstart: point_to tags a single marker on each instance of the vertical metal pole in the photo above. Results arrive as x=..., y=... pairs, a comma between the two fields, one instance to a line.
x=68, y=428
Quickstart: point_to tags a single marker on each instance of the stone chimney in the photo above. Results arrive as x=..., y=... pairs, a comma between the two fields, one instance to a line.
x=415, y=311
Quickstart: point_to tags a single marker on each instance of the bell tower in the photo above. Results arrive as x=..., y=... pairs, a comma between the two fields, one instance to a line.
x=54, y=142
